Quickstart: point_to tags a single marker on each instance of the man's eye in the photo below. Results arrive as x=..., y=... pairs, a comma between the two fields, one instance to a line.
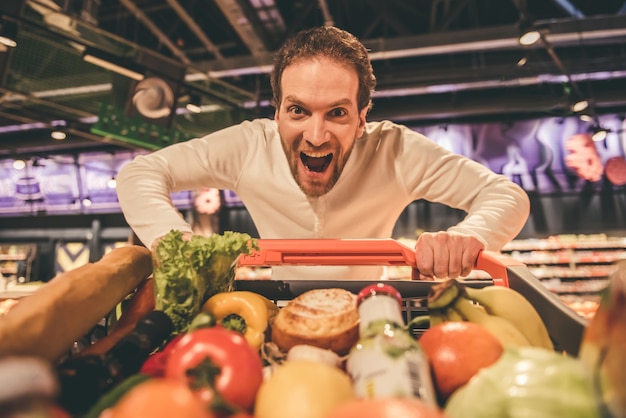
x=338, y=112
x=296, y=110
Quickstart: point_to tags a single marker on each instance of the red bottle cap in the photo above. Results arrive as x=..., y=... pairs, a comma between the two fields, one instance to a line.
x=378, y=289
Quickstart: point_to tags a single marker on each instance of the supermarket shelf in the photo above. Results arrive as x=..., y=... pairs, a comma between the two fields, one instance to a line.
x=559, y=242
x=578, y=272
x=573, y=267
x=580, y=287
x=569, y=256
x=13, y=257
x=16, y=261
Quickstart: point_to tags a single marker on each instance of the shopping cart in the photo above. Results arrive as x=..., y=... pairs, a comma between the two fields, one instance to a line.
x=565, y=326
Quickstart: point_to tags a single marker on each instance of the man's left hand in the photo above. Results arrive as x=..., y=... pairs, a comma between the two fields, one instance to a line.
x=446, y=254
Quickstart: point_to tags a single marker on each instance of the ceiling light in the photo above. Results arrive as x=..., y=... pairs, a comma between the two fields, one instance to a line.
x=108, y=62
x=580, y=105
x=585, y=117
x=19, y=164
x=522, y=61
x=529, y=34
x=58, y=135
x=529, y=38
x=8, y=33
x=599, y=134
x=86, y=202
x=195, y=104
x=193, y=108
x=153, y=98
x=112, y=183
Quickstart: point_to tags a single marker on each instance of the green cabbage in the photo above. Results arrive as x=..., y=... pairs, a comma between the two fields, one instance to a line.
x=527, y=382
x=188, y=272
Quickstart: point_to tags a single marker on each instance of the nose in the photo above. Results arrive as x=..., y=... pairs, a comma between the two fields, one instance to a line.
x=317, y=131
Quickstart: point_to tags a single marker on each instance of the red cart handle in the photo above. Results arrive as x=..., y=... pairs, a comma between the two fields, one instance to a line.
x=342, y=252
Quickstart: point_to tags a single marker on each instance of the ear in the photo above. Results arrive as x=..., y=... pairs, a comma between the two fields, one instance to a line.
x=276, y=114
x=362, y=121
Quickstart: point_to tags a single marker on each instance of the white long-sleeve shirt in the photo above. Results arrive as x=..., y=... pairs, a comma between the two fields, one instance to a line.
x=390, y=167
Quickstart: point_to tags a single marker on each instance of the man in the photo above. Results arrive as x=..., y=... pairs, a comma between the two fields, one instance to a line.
x=319, y=170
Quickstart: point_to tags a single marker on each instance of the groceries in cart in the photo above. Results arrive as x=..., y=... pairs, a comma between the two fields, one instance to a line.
x=455, y=348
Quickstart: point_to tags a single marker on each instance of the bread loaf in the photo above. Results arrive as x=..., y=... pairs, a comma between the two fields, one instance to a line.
x=325, y=318
x=46, y=323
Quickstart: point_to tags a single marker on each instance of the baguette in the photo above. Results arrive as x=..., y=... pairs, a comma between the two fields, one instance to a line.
x=46, y=323
x=139, y=305
x=325, y=318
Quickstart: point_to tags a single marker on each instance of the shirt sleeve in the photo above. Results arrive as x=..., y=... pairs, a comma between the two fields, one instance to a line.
x=497, y=209
x=145, y=184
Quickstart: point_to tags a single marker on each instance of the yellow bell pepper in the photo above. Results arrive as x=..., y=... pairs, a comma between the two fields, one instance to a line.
x=243, y=311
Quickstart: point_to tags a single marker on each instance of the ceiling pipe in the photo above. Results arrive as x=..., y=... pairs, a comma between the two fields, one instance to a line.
x=195, y=28
x=559, y=33
x=328, y=18
x=243, y=26
x=141, y=16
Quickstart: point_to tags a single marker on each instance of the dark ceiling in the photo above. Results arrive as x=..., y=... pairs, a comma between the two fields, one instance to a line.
x=437, y=61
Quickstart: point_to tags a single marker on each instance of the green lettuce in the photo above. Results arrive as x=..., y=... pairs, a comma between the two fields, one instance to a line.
x=527, y=382
x=188, y=272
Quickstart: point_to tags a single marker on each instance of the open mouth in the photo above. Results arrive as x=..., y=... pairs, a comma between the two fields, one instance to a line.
x=316, y=162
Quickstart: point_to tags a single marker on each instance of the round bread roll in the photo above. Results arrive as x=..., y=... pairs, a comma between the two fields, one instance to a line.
x=325, y=318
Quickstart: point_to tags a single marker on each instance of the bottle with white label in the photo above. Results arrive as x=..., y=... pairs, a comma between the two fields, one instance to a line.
x=387, y=361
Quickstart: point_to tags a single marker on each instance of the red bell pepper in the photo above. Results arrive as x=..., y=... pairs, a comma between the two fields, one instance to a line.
x=155, y=363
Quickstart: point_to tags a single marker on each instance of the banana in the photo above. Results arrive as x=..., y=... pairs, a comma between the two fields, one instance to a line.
x=502, y=329
x=449, y=301
x=509, y=304
x=436, y=318
x=452, y=315
x=440, y=299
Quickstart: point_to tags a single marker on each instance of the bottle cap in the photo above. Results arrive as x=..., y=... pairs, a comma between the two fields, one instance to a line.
x=378, y=289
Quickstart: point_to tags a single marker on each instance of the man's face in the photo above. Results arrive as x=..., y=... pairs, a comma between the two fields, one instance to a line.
x=318, y=121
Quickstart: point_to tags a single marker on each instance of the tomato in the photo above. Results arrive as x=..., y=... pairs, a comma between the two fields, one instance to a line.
x=220, y=360
x=159, y=398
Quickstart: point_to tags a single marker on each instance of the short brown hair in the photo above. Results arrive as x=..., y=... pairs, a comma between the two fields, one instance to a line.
x=329, y=42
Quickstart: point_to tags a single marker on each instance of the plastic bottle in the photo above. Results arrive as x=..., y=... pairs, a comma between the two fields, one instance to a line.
x=83, y=379
x=387, y=361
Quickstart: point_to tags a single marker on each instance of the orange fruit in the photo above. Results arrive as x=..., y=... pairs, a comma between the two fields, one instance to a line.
x=385, y=408
x=159, y=398
x=456, y=351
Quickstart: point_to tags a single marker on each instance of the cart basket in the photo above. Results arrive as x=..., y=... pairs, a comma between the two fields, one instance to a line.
x=565, y=326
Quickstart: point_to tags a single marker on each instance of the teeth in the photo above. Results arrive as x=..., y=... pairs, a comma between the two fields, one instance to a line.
x=316, y=154
x=316, y=161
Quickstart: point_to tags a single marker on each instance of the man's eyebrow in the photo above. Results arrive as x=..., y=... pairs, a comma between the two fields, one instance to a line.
x=292, y=99
x=341, y=102
x=295, y=100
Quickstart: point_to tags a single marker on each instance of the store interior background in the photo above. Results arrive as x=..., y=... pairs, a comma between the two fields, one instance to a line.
x=449, y=69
